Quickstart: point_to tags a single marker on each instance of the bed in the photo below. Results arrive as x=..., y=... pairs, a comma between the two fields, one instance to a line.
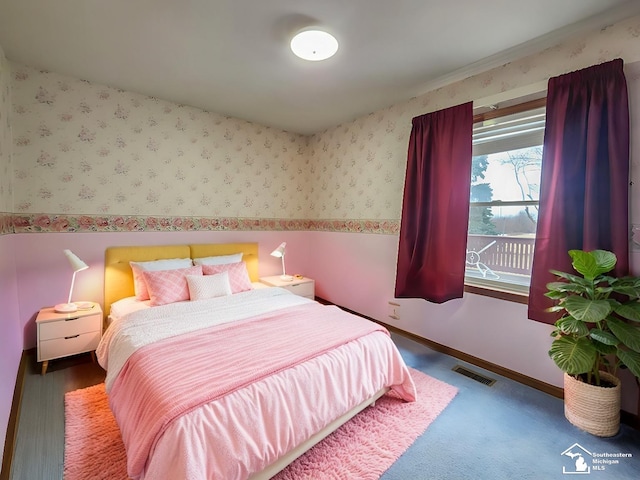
x=232, y=385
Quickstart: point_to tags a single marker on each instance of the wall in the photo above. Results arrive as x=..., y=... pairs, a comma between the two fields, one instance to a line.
x=93, y=166
x=45, y=274
x=11, y=337
x=83, y=148
x=371, y=152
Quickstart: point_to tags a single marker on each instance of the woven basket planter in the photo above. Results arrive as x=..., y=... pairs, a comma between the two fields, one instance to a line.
x=591, y=408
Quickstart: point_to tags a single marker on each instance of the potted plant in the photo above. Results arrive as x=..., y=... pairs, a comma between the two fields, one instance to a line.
x=598, y=333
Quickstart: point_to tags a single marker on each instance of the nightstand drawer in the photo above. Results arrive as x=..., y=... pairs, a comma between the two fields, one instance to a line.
x=305, y=289
x=69, y=327
x=69, y=345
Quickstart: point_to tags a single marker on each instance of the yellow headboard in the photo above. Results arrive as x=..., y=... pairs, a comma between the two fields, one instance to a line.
x=118, y=277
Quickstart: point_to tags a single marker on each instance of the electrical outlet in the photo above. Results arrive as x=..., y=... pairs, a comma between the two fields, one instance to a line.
x=394, y=310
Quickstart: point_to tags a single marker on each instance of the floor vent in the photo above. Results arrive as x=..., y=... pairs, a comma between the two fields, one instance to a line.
x=473, y=375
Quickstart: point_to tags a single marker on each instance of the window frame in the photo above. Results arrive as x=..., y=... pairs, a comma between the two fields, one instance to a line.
x=492, y=288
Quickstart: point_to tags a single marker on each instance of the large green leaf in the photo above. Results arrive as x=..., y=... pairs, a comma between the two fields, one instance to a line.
x=630, y=291
x=605, y=260
x=573, y=355
x=587, y=310
x=565, y=287
x=604, y=350
x=555, y=295
x=570, y=277
x=628, y=334
x=603, y=336
x=631, y=360
x=592, y=264
x=629, y=310
x=603, y=292
x=570, y=325
x=555, y=308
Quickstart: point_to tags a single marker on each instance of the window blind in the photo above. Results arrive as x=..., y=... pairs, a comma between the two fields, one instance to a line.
x=511, y=132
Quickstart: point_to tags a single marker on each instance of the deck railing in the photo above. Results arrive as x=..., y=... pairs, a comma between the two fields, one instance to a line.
x=502, y=253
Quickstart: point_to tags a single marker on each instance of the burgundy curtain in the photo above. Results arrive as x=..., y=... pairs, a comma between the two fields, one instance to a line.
x=435, y=210
x=585, y=176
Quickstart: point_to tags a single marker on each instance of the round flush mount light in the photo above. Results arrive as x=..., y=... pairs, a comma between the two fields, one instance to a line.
x=314, y=45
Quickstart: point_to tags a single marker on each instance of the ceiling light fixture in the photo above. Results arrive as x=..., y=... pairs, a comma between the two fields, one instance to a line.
x=314, y=45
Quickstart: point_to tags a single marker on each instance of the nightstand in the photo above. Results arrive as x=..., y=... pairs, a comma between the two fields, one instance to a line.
x=64, y=334
x=305, y=287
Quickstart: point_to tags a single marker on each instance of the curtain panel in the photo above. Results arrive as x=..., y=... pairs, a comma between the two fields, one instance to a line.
x=435, y=209
x=584, y=189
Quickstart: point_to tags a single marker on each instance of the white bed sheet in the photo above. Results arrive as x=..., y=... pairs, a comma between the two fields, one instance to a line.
x=127, y=305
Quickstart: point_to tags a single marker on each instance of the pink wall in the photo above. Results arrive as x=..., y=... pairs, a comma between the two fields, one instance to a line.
x=355, y=270
x=358, y=271
x=44, y=274
x=10, y=331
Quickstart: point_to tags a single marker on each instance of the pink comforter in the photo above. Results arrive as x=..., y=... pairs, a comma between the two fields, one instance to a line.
x=163, y=381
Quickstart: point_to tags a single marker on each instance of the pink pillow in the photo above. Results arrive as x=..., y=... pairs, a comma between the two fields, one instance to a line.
x=169, y=286
x=238, y=275
x=139, y=285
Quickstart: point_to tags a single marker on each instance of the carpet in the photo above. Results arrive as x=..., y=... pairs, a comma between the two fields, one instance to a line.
x=94, y=449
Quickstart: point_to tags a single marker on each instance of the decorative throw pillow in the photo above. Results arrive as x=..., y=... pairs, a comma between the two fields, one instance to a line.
x=208, y=286
x=169, y=286
x=139, y=285
x=238, y=275
x=218, y=259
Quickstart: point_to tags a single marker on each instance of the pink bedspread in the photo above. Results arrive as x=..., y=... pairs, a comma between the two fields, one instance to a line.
x=162, y=381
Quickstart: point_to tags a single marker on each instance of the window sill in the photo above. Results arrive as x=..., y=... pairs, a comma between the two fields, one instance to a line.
x=496, y=292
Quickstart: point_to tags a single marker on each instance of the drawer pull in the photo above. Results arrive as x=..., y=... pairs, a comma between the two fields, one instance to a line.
x=69, y=319
x=72, y=336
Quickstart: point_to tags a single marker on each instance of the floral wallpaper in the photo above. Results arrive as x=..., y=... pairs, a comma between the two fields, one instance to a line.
x=87, y=157
x=6, y=204
x=83, y=148
x=357, y=169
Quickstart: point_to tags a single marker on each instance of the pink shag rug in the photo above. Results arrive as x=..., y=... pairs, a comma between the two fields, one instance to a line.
x=363, y=448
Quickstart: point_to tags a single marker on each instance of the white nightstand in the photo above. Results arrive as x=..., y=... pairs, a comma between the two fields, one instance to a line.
x=305, y=287
x=64, y=334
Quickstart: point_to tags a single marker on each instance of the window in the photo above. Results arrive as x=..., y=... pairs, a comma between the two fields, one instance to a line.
x=505, y=183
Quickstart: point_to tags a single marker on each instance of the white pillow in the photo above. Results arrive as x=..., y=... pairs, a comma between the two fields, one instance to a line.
x=121, y=307
x=139, y=284
x=210, y=286
x=218, y=259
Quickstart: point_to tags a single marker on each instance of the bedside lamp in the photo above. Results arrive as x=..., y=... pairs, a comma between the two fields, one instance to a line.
x=77, y=265
x=279, y=252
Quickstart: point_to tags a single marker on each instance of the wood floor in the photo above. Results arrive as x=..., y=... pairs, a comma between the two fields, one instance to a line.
x=39, y=448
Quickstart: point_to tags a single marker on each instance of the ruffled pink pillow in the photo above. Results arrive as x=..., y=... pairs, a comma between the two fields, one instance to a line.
x=169, y=286
x=238, y=275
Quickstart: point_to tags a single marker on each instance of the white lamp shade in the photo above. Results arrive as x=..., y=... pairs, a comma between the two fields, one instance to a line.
x=75, y=262
x=279, y=252
x=77, y=265
x=314, y=45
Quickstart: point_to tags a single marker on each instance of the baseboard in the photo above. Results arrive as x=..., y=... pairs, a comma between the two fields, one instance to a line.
x=630, y=419
x=625, y=417
x=14, y=416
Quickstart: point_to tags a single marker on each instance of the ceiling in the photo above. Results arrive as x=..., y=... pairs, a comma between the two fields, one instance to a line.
x=232, y=56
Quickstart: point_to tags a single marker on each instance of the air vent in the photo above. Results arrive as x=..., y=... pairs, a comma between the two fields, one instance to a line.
x=474, y=375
